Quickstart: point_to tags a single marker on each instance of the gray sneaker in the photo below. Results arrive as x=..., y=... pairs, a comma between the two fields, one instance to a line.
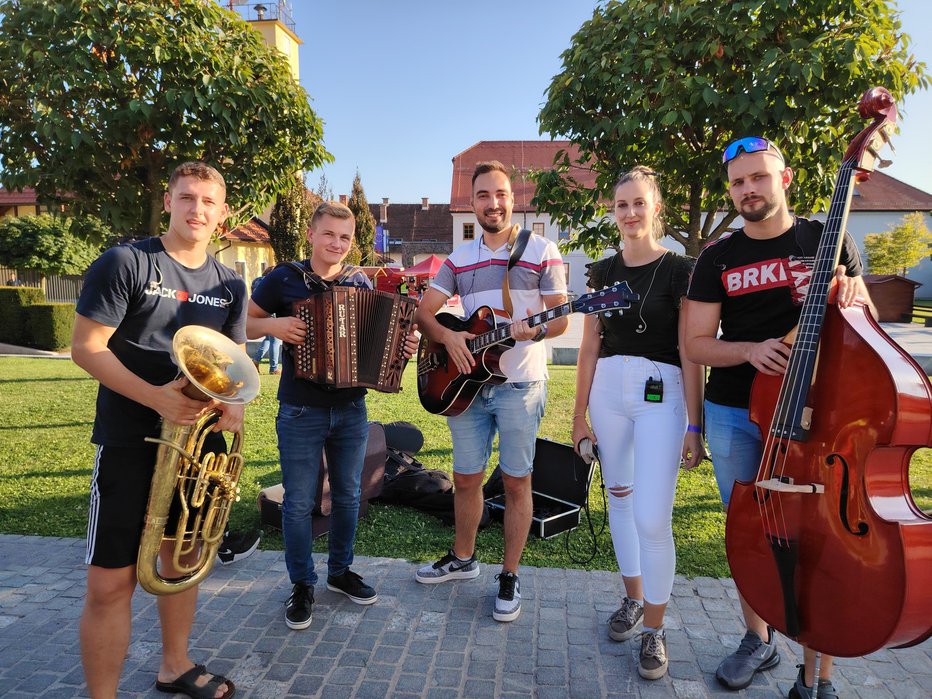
x=801, y=691
x=448, y=568
x=737, y=670
x=653, y=662
x=626, y=622
x=508, y=601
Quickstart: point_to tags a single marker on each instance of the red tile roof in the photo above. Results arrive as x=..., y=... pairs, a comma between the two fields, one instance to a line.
x=253, y=231
x=519, y=156
x=884, y=193
x=15, y=197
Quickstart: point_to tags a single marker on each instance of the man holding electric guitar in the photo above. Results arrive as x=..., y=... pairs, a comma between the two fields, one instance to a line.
x=536, y=282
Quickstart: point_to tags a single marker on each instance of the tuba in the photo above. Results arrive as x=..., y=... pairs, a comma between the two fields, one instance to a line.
x=204, y=486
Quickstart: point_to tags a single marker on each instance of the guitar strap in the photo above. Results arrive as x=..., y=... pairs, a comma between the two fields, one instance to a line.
x=517, y=242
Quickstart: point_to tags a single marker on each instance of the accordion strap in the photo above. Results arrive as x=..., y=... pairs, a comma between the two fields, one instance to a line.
x=314, y=282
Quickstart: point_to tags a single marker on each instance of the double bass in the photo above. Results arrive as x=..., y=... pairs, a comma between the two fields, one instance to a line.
x=827, y=544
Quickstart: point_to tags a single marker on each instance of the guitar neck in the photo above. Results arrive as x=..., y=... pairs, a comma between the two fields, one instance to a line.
x=500, y=334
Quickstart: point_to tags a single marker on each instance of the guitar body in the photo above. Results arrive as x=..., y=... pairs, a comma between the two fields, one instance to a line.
x=443, y=390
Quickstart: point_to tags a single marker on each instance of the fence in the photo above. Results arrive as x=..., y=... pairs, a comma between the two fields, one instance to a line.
x=58, y=288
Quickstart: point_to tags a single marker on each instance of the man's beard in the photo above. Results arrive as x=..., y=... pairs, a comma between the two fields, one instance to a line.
x=769, y=209
x=493, y=228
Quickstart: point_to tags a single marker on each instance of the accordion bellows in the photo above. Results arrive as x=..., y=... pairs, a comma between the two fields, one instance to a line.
x=355, y=338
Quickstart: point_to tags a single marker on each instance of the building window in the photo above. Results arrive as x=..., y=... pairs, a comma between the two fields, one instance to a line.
x=240, y=268
x=469, y=231
x=538, y=228
x=566, y=271
x=563, y=235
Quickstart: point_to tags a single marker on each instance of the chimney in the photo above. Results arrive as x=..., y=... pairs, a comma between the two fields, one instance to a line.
x=383, y=211
x=343, y=199
x=424, y=204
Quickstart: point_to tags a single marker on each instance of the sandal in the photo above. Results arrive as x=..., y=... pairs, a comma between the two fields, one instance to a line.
x=187, y=684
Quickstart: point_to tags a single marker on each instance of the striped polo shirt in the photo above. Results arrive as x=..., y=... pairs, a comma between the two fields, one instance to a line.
x=476, y=273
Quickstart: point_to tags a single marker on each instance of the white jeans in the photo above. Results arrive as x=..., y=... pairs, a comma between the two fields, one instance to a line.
x=640, y=444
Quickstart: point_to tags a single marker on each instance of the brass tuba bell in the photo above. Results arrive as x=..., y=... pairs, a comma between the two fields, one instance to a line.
x=205, y=486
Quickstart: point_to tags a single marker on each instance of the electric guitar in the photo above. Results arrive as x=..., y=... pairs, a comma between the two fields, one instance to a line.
x=443, y=390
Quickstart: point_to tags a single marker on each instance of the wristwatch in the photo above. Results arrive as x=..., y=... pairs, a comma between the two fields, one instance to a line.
x=541, y=334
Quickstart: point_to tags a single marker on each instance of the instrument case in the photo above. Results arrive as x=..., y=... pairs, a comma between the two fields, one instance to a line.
x=559, y=487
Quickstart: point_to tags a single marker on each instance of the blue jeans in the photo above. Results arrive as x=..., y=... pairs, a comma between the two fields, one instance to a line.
x=515, y=411
x=272, y=346
x=303, y=433
x=735, y=444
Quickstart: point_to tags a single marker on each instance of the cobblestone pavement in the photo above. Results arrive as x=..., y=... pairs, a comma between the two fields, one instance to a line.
x=416, y=641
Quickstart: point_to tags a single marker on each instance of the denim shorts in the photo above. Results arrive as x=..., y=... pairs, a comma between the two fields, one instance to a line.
x=735, y=443
x=514, y=410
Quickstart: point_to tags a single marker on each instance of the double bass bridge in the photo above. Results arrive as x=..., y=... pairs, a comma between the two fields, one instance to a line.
x=785, y=484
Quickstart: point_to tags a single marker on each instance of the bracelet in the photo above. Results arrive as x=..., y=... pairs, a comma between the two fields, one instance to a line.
x=576, y=415
x=694, y=428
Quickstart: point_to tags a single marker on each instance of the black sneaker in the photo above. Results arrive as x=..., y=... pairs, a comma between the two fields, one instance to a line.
x=351, y=585
x=238, y=545
x=298, y=611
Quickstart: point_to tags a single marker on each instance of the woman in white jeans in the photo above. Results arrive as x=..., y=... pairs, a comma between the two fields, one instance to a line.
x=644, y=400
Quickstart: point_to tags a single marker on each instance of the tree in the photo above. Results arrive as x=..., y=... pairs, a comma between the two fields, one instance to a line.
x=669, y=85
x=289, y=220
x=100, y=99
x=50, y=244
x=365, y=222
x=898, y=249
x=324, y=191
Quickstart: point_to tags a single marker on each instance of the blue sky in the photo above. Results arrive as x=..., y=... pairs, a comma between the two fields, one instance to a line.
x=403, y=86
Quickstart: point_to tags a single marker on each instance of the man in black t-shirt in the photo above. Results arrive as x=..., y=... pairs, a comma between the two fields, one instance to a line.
x=753, y=283
x=313, y=417
x=134, y=298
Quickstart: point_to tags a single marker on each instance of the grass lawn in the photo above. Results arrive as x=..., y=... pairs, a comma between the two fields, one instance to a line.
x=46, y=413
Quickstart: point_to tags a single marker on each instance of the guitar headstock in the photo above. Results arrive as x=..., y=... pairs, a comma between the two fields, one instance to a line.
x=618, y=297
x=864, y=151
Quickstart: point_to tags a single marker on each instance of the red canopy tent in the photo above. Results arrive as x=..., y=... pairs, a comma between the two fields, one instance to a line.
x=425, y=268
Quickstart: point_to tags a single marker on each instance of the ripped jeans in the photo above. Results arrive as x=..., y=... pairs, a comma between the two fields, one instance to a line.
x=640, y=444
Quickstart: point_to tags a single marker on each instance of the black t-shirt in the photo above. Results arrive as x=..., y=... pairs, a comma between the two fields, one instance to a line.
x=147, y=295
x=649, y=328
x=761, y=285
x=279, y=289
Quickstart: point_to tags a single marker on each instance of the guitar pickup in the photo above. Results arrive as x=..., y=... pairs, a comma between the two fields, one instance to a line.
x=786, y=485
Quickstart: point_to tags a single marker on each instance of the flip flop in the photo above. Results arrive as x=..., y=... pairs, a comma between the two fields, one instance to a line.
x=187, y=684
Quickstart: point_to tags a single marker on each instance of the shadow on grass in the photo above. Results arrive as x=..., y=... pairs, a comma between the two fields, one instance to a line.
x=47, y=516
x=19, y=475
x=48, y=379
x=49, y=426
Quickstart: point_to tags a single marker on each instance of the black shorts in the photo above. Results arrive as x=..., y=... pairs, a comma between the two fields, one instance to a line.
x=119, y=496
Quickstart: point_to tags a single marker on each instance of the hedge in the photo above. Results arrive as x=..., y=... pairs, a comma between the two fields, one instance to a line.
x=13, y=300
x=49, y=325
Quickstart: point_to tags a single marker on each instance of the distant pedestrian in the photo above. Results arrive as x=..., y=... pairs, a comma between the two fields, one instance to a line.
x=270, y=344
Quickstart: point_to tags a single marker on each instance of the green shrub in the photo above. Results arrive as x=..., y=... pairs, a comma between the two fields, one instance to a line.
x=12, y=320
x=49, y=325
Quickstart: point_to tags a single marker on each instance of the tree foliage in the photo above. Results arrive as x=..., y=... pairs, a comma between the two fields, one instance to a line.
x=324, y=191
x=898, y=249
x=669, y=85
x=51, y=244
x=365, y=222
x=100, y=99
x=289, y=220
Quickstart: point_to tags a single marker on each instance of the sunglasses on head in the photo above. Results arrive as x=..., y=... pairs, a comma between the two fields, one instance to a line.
x=751, y=144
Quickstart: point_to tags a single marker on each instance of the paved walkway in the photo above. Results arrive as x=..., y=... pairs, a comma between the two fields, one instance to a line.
x=416, y=641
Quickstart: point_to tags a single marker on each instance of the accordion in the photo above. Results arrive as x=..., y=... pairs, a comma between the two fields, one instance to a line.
x=355, y=338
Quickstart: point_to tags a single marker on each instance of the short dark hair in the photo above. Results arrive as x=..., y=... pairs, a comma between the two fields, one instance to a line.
x=489, y=166
x=198, y=170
